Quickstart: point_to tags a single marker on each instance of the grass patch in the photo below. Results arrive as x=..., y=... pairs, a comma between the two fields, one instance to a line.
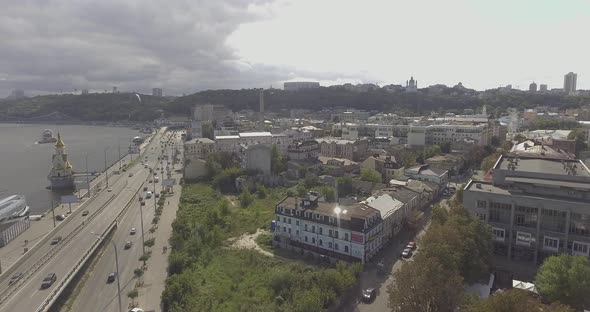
x=205, y=277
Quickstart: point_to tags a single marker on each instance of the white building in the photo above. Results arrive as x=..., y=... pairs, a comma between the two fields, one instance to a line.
x=412, y=85
x=300, y=85
x=320, y=228
x=256, y=157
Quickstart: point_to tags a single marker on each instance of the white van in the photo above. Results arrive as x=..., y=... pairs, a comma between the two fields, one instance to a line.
x=148, y=194
x=156, y=179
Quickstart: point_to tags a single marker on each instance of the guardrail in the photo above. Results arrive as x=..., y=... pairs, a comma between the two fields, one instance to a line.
x=52, y=252
x=50, y=300
x=72, y=273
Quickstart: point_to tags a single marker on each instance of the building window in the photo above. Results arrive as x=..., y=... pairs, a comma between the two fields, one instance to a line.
x=313, y=240
x=481, y=204
x=313, y=228
x=297, y=232
x=481, y=216
x=306, y=238
x=345, y=248
x=321, y=243
x=499, y=234
x=330, y=233
x=297, y=222
x=551, y=243
x=321, y=230
x=289, y=221
x=305, y=226
x=284, y=229
x=346, y=236
x=330, y=245
x=336, y=246
x=284, y=219
x=523, y=238
x=289, y=230
x=580, y=248
x=336, y=234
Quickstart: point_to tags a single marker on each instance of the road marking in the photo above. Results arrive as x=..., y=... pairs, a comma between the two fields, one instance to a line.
x=36, y=291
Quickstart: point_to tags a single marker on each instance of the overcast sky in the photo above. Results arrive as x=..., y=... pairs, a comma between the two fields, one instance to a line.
x=184, y=46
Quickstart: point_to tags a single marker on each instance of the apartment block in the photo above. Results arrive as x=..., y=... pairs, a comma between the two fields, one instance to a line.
x=537, y=207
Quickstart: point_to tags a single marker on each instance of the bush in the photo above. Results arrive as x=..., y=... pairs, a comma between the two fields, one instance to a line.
x=150, y=242
x=246, y=198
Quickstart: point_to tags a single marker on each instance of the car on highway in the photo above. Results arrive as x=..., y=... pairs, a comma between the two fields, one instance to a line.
x=157, y=195
x=128, y=244
x=85, y=213
x=48, y=280
x=145, y=166
x=56, y=240
x=135, y=310
x=142, y=203
x=148, y=194
x=150, y=181
x=111, y=278
x=133, y=231
x=60, y=217
x=15, y=278
x=145, y=188
x=369, y=294
x=407, y=253
x=130, y=174
x=110, y=189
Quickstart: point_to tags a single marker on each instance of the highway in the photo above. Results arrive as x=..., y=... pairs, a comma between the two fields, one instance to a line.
x=27, y=295
x=98, y=295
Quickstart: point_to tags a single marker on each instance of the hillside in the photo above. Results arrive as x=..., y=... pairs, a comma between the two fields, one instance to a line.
x=125, y=106
x=89, y=107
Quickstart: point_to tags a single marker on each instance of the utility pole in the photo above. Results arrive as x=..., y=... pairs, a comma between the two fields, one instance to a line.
x=142, y=235
x=87, y=178
x=120, y=156
x=106, y=170
x=52, y=207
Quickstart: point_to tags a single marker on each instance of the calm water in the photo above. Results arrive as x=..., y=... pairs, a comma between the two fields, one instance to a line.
x=24, y=164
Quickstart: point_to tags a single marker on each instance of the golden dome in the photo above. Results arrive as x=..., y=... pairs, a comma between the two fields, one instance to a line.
x=59, y=142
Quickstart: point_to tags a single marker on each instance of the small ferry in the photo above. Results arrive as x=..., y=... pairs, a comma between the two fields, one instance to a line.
x=47, y=137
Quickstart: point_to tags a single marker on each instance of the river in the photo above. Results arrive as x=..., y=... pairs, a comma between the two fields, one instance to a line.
x=25, y=164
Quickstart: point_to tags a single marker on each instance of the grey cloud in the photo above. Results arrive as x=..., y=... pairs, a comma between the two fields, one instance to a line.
x=61, y=45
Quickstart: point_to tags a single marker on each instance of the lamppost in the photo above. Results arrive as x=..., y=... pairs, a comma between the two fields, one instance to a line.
x=106, y=170
x=87, y=178
x=142, y=231
x=116, y=266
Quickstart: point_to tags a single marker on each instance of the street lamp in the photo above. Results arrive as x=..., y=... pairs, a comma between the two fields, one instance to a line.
x=117, y=268
x=142, y=231
x=87, y=178
x=106, y=172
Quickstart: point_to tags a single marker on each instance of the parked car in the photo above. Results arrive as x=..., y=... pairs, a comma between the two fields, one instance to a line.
x=128, y=244
x=407, y=253
x=111, y=277
x=369, y=294
x=412, y=245
x=48, y=280
x=60, y=217
x=110, y=189
x=56, y=240
x=85, y=213
x=15, y=278
x=136, y=310
x=133, y=231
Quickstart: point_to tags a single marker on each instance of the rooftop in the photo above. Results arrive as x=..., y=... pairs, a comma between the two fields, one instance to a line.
x=200, y=140
x=548, y=166
x=327, y=209
x=255, y=134
x=487, y=187
x=384, y=203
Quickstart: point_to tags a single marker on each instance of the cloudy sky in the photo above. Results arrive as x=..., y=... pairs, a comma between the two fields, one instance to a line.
x=184, y=46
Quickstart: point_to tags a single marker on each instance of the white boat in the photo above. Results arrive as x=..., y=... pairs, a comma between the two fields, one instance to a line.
x=47, y=137
x=13, y=207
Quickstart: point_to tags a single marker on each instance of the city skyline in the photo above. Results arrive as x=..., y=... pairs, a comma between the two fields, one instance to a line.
x=185, y=48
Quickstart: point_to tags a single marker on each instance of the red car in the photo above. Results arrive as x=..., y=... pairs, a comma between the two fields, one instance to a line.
x=411, y=245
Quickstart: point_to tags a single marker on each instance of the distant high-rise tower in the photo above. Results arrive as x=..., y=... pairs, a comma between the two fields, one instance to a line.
x=533, y=87
x=115, y=89
x=543, y=88
x=84, y=91
x=569, y=83
x=157, y=91
x=261, y=112
x=412, y=85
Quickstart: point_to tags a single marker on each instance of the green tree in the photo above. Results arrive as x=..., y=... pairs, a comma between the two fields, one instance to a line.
x=445, y=147
x=246, y=198
x=329, y=193
x=132, y=294
x=519, y=138
x=431, y=151
x=565, y=278
x=370, y=175
x=488, y=162
x=345, y=186
x=440, y=214
x=425, y=285
x=514, y=300
x=278, y=163
x=579, y=135
x=301, y=190
x=495, y=141
x=225, y=180
x=261, y=191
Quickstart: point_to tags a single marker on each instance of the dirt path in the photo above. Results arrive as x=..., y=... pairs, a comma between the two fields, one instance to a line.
x=248, y=241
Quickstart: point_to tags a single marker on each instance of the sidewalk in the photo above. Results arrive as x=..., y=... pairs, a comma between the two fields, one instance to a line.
x=154, y=278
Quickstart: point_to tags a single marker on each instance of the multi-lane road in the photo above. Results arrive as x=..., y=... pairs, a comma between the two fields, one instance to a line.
x=104, y=207
x=98, y=295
